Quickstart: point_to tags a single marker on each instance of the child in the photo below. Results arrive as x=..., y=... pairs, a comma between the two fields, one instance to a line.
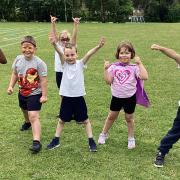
x=122, y=76
x=173, y=134
x=30, y=72
x=63, y=38
x=2, y=58
x=72, y=89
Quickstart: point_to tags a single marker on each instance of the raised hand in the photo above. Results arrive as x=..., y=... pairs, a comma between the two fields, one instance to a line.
x=53, y=19
x=102, y=42
x=106, y=64
x=137, y=60
x=155, y=47
x=76, y=20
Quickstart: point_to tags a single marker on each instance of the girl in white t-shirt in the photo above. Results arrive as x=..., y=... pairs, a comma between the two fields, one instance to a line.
x=122, y=76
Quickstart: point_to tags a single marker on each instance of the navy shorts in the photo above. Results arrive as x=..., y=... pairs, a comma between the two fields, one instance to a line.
x=30, y=103
x=73, y=108
x=128, y=104
x=58, y=78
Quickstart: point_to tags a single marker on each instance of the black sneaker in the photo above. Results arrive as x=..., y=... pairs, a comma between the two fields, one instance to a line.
x=159, y=161
x=92, y=145
x=53, y=144
x=25, y=126
x=36, y=147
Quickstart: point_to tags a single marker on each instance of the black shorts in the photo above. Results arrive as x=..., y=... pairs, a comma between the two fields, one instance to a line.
x=58, y=78
x=30, y=103
x=128, y=104
x=73, y=108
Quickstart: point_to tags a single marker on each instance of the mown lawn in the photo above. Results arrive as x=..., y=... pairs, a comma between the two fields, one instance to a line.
x=72, y=160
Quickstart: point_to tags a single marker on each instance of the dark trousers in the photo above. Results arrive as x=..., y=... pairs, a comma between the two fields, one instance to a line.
x=172, y=136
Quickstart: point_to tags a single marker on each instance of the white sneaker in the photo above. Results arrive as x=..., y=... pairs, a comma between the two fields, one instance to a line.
x=131, y=143
x=102, y=138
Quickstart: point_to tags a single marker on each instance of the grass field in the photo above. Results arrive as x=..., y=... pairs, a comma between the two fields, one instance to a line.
x=72, y=160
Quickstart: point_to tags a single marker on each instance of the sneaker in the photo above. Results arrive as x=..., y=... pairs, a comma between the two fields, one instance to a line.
x=131, y=143
x=53, y=144
x=159, y=161
x=36, y=147
x=25, y=126
x=92, y=145
x=102, y=138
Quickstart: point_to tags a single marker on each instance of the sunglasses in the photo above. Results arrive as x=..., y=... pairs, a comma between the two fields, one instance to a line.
x=64, y=39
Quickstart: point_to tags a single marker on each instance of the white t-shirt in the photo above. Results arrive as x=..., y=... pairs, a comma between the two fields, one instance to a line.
x=72, y=84
x=58, y=65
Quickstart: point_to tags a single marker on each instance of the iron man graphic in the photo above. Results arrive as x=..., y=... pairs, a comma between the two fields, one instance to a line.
x=29, y=82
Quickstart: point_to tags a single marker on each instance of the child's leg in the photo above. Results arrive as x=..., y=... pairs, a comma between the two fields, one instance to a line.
x=172, y=136
x=25, y=113
x=112, y=116
x=55, y=141
x=35, y=123
x=130, y=124
x=88, y=128
x=26, y=125
x=59, y=128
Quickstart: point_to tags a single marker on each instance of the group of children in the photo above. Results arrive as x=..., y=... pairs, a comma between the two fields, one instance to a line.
x=31, y=74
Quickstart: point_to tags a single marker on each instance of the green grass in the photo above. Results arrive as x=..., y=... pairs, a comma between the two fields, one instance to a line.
x=73, y=160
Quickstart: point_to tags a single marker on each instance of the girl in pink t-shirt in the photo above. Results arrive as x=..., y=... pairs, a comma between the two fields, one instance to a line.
x=122, y=76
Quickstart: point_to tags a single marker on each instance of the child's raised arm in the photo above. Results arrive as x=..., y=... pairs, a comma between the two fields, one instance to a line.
x=75, y=30
x=52, y=40
x=94, y=50
x=53, y=27
x=143, y=74
x=107, y=77
x=168, y=52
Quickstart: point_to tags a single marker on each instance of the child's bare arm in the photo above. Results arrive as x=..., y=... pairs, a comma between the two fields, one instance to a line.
x=43, y=82
x=2, y=58
x=168, y=52
x=52, y=40
x=53, y=27
x=75, y=30
x=107, y=77
x=143, y=74
x=94, y=50
x=13, y=80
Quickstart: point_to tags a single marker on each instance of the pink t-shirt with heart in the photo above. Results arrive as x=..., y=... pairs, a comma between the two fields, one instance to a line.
x=124, y=79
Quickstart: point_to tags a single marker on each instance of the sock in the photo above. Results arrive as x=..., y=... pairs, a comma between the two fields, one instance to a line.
x=36, y=142
x=91, y=140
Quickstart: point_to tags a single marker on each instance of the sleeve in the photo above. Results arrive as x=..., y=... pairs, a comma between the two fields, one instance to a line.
x=42, y=69
x=14, y=64
x=83, y=66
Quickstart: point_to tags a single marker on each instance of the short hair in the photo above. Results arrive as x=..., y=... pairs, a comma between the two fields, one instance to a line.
x=70, y=46
x=126, y=45
x=28, y=39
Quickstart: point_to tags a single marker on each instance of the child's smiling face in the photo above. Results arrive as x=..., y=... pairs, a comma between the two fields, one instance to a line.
x=70, y=55
x=124, y=55
x=28, y=50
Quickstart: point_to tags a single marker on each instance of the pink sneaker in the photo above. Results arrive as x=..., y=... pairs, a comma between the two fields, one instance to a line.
x=131, y=143
x=102, y=138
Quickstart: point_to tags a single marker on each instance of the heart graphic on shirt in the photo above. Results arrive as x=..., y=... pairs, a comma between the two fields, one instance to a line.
x=122, y=76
